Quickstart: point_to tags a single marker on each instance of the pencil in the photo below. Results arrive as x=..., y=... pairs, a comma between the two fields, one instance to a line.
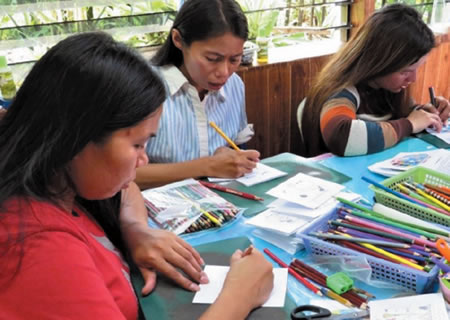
x=432, y=96
x=358, y=239
x=395, y=193
x=206, y=213
x=332, y=295
x=232, y=191
x=219, y=131
x=297, y=276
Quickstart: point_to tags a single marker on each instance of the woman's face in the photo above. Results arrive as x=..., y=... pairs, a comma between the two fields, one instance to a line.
x=99, y=171
x=397, y=81
x=209, y=63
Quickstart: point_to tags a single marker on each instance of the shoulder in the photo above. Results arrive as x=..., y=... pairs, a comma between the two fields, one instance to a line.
x=350, y=93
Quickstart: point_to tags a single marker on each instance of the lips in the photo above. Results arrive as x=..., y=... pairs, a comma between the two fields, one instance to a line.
x=216, y=86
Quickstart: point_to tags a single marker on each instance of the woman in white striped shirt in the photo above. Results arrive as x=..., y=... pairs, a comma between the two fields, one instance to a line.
x=197, y=63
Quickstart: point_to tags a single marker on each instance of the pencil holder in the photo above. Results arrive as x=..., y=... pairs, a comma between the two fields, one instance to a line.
x=412, y=279
x=420, y=175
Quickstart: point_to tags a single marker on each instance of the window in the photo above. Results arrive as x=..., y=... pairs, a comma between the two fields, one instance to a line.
x=29, y=27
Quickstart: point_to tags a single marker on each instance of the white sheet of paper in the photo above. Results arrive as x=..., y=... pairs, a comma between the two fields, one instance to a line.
x=443, y=135
x=261, y=173
x=209, y=292
x=417, y=307
x=438, y=160
x=305, y=190
x=275, y=220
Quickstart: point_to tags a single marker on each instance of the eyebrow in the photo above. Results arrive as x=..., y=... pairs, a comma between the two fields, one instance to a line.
x=221, y=55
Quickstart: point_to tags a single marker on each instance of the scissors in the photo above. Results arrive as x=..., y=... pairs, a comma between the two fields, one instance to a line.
x=310, y=312
x=443, y=248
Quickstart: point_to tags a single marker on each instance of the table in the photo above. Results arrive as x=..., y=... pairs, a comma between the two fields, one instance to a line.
x=354, y=167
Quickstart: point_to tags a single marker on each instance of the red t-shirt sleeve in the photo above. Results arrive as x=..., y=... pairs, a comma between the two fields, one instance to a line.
x=57, y=280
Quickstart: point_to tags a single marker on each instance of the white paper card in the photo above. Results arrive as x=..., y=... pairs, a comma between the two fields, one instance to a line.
x=275, y=220
x=305, y=190
x=417, y=307
x=443, y=135
x=261, y=173
x=209, y=292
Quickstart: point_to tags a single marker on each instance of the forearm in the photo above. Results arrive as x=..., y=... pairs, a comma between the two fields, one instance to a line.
x=226, y=307
x=158, y=174
x=133, y=213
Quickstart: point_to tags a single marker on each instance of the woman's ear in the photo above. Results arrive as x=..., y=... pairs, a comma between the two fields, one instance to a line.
x=177, y=39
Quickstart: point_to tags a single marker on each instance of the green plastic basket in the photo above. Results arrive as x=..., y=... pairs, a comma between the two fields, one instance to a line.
x=420, y=175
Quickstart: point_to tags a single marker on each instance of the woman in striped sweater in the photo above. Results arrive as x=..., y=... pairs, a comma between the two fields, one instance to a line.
x=359, y=103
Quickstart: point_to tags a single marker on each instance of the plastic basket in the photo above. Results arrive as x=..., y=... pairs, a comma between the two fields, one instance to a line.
x=420, y=175
x=412, y=279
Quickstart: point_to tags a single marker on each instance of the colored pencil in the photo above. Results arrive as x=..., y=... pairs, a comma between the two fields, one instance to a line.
x=320, y=278
x=420, y=199
x=369, y=230
x=332, y=295
x=393, y=192
x=219, y=131
x=305, y=282
x=438, y=189
x=357, y=239
x=232, y=191
x=206, y=213
x=378, y=226
x=402, y=225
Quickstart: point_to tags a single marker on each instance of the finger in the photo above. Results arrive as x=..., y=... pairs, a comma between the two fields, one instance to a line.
x=236, y=256
x=429, y=108
x=169, y=271
x=192, y=251
x=149, y=277
x=190, y=267
x=184, y=255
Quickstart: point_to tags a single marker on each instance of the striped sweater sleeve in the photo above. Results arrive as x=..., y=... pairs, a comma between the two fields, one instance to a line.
x=346, y=135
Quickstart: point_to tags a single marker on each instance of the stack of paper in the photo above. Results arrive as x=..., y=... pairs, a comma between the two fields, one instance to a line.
x=301, y=199
x=438, y=160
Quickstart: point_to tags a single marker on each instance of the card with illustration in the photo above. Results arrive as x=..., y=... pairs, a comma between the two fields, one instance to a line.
x=305, y=190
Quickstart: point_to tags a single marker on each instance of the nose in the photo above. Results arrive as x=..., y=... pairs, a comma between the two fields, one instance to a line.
x=223, y=70
x=412, y=76
x=142, y=159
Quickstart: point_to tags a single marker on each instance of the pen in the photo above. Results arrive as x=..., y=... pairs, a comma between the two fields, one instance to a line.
x=248, y=251
x=232, y=191
x=219, y=131
x=432, y=96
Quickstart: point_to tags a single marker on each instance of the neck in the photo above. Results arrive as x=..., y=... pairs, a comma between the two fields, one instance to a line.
x=201, y=92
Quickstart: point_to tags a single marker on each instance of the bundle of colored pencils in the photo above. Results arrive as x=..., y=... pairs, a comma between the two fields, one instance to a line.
x=353, y=298
x=433, y=197
x=369, y=232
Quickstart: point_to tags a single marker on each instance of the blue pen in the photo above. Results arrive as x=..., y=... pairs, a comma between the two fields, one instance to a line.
x=395, y=193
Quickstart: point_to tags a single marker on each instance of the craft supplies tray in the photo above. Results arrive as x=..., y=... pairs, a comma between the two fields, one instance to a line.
x=415, y=280
x=420, y=175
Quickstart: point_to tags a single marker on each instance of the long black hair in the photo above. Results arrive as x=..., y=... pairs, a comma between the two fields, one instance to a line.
x=200, y=20
x=80, y=91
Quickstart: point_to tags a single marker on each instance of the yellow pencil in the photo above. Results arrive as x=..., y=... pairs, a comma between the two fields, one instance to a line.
x=206, y=213
x=219, y=131
x=433, y=199
x=388, y=254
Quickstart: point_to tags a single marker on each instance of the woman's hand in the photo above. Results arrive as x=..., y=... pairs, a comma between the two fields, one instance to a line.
x=157, y=250
x=425, y=117
x=163, y=251
x=443, y=109
x=228, y=163
x=248, y=285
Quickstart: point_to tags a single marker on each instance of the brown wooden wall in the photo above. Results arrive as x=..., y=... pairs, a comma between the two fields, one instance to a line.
x=274, y=91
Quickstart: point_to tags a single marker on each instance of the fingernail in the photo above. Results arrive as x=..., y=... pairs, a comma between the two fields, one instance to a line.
x=204, y=278
x=202, y=262
x=194, y=287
